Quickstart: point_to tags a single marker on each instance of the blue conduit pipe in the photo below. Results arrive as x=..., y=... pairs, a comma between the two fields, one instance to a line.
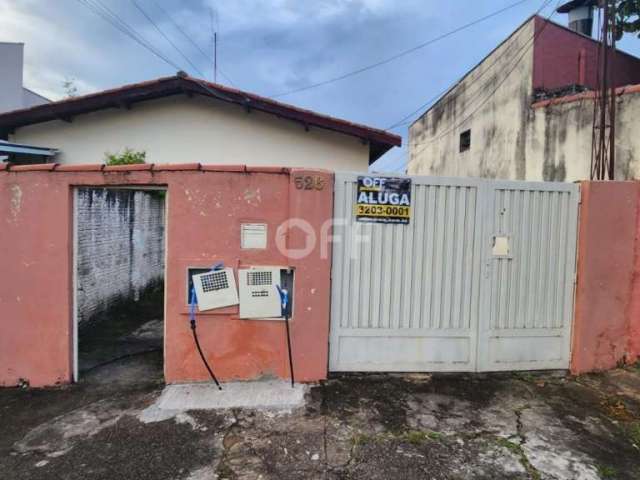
x=192, y=318
x=284, y=304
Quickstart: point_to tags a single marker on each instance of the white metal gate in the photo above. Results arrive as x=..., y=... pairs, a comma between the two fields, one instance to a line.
x=434, y=295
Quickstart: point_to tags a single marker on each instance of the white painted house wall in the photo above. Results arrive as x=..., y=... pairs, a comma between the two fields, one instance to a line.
x=180, y=129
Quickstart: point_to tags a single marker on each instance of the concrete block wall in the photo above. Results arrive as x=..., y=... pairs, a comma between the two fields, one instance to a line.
x=120, y=246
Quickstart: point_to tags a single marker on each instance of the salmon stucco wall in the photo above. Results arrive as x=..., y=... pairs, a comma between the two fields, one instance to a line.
x=205, y=207
x=35, y=279
x=607, y=325
x=634, y=305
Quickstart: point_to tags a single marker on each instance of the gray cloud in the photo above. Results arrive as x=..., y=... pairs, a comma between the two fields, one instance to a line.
x=270, y=47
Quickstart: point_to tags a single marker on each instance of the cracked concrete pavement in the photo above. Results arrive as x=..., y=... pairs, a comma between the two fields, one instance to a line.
x=463, y=426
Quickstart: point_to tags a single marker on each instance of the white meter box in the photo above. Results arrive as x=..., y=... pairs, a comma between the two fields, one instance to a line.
x=259, y=296
x=215, y=289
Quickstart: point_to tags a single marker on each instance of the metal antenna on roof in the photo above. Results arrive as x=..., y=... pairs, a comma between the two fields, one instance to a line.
x=215, y=46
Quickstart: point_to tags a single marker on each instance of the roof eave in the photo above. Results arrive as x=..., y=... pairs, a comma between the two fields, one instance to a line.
x=124, y=97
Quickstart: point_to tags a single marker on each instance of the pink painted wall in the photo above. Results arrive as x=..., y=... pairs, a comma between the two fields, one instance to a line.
x=35, y=276
x=633, y=312
x=556, y=59
x=205, y=206
x=607, y=325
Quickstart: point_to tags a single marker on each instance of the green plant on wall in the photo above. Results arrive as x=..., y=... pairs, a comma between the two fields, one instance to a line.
x=127, y=157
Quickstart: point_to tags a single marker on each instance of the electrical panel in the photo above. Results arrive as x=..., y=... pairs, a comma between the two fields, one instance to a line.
x=253, y=235
x=259, y=296
x=215, y=289
x=500, y=246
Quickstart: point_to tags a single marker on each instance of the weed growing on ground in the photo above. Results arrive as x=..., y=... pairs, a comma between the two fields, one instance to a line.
x=615, y=407
x=525, y=376
x=509, y=445
x=361, y=439
x=634, y=433
x=607, y=472
x=517, y=450
x=417, y=437
x=414, y=437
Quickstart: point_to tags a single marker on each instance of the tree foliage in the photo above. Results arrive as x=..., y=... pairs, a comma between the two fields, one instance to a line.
x=70, y=88
x=628, y=13
x=127, y=157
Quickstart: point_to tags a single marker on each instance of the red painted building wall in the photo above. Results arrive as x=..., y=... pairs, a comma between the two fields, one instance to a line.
x=205, y=207
x=562, y=57
x=607, y=314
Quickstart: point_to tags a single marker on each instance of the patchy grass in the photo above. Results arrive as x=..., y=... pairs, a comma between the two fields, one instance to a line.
x=361, y=439
x=418, y=437
x=224, y=471
x=509, y=445
x=525, y=377
x=414, y=437
x=607, y=472
x=517, y=450
x=634, y=433
x=614, y=407
x=521, y=409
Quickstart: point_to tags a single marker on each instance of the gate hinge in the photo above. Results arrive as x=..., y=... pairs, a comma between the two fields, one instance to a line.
x=579, y=195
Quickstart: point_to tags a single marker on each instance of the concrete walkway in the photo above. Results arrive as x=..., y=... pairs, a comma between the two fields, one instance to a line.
x=118, y=424
x=261, y=395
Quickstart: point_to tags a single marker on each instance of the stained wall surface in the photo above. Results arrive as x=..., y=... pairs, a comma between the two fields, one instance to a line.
x=205, y=208
x=120, y=246
x=512, y=135
x=491, y=102
x=607, y=314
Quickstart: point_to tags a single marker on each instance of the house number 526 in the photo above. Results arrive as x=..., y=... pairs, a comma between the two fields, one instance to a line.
x=309, y=182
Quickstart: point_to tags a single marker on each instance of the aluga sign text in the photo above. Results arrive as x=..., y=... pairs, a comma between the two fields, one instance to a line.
x=383, y=200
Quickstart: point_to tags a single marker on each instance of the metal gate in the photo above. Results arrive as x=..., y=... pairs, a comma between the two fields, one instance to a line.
x=481, y=279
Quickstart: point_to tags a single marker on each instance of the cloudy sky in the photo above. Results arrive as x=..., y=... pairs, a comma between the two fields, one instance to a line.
x=270, y=47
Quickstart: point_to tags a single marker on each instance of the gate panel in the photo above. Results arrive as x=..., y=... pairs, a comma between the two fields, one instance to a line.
x=435, y=295
x=528, y=294
x=406, y=297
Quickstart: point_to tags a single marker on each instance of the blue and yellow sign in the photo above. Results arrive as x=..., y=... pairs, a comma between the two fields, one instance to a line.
x=383, y=200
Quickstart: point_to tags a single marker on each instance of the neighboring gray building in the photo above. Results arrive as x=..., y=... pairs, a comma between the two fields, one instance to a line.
x=13, y=94
x=525, y=112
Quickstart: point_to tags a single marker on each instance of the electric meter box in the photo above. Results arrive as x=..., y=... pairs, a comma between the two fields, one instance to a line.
x=259, y=296
x=215, y=289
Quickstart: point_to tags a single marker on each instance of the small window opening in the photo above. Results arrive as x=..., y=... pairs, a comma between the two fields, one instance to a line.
x=465, y=140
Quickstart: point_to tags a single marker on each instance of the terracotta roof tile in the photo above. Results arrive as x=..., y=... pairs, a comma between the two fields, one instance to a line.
x=380, y=141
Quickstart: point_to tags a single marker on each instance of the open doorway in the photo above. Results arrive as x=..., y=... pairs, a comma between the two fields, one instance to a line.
x=119, y=265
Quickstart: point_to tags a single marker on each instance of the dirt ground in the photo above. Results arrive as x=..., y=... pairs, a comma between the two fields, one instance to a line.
x=126, y=328
x=515, y=426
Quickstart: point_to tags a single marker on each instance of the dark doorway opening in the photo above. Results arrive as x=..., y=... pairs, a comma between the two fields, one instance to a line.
x=119, y=276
